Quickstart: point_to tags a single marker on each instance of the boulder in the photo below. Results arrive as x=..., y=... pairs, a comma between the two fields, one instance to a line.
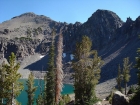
x=119, y=99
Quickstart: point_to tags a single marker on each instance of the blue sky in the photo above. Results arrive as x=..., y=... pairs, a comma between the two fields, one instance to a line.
x=68, y=11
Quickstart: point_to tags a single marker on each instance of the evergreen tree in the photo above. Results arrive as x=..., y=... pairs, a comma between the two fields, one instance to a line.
x=14, y=87
x=135, y=100
x=66, y=99
x=138, y=65
x=50, y=86
x=31, y=89
x=61, y=102
x=40, y=100
x=3, y=84
x=44, y=91
x=86, y=67
x=119, y=79
x=126, y=72
x=59, y=71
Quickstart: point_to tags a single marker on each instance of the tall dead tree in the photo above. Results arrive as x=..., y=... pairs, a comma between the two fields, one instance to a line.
x=59, y=71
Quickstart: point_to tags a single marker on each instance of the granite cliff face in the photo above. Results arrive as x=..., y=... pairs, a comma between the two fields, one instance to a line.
x=29, y=34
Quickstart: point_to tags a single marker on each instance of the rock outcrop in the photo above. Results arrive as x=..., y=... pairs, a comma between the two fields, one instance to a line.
x=21, y=47
x=119, y=99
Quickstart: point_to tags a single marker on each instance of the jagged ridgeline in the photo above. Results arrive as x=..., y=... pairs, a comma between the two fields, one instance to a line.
x=29, y=36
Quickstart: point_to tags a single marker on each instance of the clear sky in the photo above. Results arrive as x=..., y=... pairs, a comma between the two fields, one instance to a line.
x=68, y=11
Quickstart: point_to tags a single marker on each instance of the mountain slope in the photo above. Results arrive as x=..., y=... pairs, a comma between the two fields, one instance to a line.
x=28, y=36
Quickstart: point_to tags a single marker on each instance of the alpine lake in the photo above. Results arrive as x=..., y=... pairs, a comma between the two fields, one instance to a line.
x=22, y=98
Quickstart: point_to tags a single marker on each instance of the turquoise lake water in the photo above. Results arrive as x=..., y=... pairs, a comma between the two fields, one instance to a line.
x=67, y=89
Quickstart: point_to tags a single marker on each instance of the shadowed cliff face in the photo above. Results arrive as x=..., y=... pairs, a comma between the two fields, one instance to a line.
x=114, y=39
x=100, y=27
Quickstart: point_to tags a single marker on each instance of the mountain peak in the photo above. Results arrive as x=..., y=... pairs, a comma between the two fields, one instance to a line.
x=103, y=10
x=105, y=17
x=107, y=13
x=32, y=17
x=30, y=14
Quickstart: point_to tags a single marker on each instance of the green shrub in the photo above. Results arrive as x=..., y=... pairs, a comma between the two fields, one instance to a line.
x=16, y=38
x=135, y=100
x=131, y=90
x=25, y=38
x=109, y=98
x=28, y=31
x=39, y=29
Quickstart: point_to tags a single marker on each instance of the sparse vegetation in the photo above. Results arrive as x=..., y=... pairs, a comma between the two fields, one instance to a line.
x=39, y=29
x=16, y=29
x=35, y=31
x=24, y=38
x=28, y=32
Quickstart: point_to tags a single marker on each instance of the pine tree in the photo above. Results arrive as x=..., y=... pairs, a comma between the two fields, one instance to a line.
x=86, y=67
x=14, y=87
x=3, y=84
x=40, y=100
x=93, y=76
x=50, y=86
x=119, y=79
x=66, y=99
x=138, y=65
x=44, y=91
x=61, y=102
x=59, y=71
x=31, y=89
x=135, y=100
x=126, y=72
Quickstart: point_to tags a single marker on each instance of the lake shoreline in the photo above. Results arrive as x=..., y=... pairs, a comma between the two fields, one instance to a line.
x=72, y=96
x=41, y=74
x=67, y=89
